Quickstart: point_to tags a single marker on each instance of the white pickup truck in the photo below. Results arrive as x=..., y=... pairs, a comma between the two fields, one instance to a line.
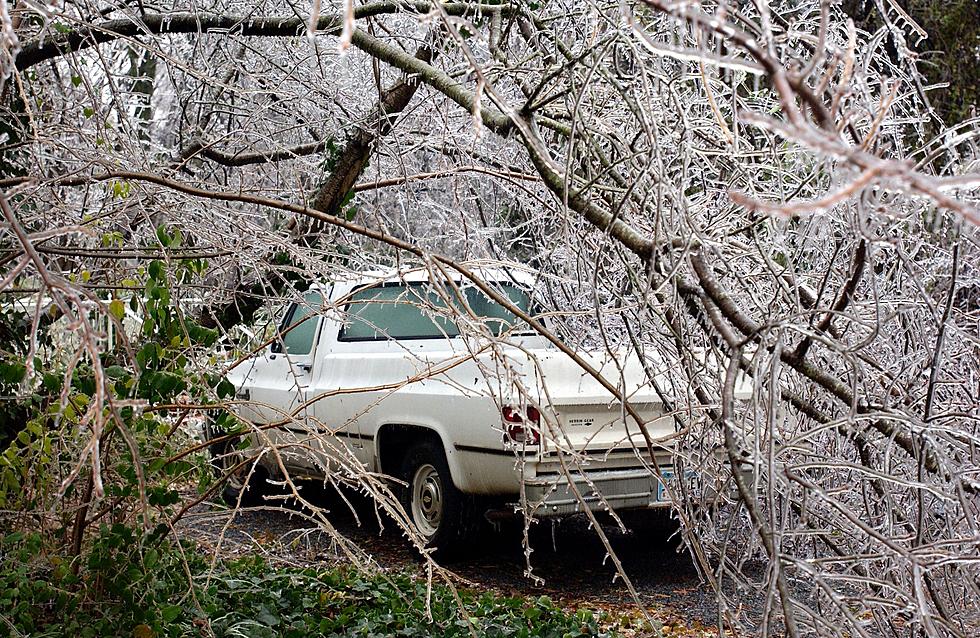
x=466, y=408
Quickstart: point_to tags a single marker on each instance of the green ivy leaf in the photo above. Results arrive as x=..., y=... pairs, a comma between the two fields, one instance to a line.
x=120, y=189
x=51, y=382
x=170, y=613
x=199, y=334
x=116, y=372
x=149, y=355
x=163, y=237
x=117, y=309
x=161, y=385
x=156, y=270
x=12, y=372
x=225, y=389
x=161, y=497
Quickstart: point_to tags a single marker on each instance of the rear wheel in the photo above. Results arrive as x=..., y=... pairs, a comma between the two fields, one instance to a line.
x=442, y=515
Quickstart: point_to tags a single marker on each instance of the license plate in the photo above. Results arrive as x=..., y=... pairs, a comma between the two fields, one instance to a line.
x=669, y=478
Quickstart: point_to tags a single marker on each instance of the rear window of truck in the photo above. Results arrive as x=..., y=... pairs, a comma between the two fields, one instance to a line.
x=417, y=311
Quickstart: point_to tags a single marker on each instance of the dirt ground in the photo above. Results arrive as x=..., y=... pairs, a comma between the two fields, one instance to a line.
x=569, y=562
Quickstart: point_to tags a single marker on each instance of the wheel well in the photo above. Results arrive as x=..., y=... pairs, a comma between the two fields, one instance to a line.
x=394, y=440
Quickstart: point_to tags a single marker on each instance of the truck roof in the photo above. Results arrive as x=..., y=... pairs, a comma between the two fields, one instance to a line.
x=490, y=271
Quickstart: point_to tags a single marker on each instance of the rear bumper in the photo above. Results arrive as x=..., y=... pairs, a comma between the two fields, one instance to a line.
x=634, y=488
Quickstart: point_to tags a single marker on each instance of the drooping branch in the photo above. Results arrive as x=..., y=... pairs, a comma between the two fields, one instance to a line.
x=202, y=149
x=333, y=191
x=335, y=188
x=857, y=268
x=48, y=47
x=902, y=437
x=354, y=157
x=525, y=126
x=492, y=118
x=402, y=245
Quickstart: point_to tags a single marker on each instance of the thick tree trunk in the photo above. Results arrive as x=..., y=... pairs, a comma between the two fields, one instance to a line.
x=329, y=197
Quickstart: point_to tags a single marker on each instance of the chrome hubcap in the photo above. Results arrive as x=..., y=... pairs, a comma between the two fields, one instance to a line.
x=427, y=500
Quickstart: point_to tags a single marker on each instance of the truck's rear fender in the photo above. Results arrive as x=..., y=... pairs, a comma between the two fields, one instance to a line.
x=483, y=474
x=393, y=440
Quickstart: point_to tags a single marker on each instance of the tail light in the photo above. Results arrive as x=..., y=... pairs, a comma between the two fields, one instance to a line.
x=521, y=428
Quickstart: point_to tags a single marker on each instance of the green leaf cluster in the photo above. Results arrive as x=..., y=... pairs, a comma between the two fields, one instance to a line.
x=49, y=414
x=147, y=586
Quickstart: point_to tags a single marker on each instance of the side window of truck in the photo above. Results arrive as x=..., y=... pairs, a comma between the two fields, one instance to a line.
x=415, y=311
x=396, y=311
x=497, y=318
x=299, y=325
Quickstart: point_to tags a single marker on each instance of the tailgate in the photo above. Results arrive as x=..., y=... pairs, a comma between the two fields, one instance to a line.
x=585, y=416
x=605, y=427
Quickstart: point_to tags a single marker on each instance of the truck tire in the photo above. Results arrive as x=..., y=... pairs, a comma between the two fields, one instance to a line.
x=442, y=515
x=245, y=486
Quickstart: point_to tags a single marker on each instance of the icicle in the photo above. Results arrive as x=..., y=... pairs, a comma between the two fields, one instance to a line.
x=347, y=33
x=98, y=489
x=9, y=44
x=314, y=19
x=477, y=118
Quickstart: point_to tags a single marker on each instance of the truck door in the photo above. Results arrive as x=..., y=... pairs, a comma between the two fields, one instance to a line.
x=282, y=378
x=333, y=395
x=385, y=338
